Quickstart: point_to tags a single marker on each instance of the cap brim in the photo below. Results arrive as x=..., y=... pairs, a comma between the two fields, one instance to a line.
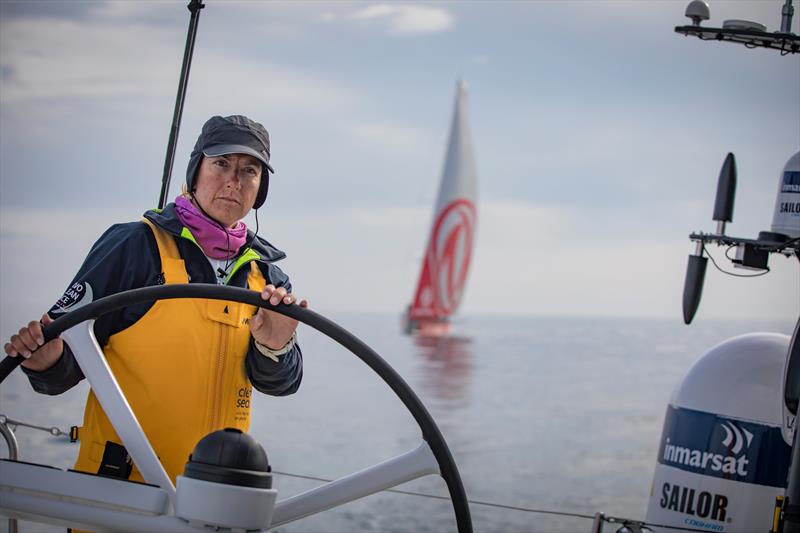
x=225, y=149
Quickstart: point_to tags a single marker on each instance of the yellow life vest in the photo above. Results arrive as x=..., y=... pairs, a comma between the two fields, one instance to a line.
x=182, y=369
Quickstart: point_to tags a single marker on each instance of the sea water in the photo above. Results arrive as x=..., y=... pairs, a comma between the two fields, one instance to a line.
x=546, y=413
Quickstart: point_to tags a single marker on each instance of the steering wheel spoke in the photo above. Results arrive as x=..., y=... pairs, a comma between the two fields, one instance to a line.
x=94, y=365
x=385, y=475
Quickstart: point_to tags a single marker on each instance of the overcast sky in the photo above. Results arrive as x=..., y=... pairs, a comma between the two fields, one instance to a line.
x=598, y=135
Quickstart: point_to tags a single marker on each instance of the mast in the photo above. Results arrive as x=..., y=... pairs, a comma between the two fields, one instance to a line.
x=450, y=242
x=194, y=8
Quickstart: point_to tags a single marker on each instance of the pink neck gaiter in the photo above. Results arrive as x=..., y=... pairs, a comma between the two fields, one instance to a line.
x=217, y=242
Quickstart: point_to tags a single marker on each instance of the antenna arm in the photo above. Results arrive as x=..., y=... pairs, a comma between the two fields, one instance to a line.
x=787, y=248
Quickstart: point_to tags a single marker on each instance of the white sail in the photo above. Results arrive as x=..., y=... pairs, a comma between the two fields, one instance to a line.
x=450, y=243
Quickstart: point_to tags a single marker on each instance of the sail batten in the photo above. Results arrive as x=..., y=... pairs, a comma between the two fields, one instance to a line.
x=448, y=253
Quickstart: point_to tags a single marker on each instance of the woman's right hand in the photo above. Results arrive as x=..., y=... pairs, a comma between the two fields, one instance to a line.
x=29, y=343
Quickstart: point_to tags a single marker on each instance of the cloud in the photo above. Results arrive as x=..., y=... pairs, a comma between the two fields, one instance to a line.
x=269, y=85
x=395, y=138
x=121, y=12
x=64, y=60
x=408, y=19
x=125, y=12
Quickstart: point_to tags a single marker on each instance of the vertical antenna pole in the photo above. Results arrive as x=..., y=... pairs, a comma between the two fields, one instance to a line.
x=194, y=8
x=786, y=17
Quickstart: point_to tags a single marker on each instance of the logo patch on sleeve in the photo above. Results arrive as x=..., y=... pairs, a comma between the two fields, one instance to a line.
x=78, y=295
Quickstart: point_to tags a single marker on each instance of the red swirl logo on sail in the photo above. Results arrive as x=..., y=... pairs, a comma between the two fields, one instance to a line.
x=447, y=260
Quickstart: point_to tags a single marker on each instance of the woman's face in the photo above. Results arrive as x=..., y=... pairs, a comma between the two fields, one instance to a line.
x=226, y=186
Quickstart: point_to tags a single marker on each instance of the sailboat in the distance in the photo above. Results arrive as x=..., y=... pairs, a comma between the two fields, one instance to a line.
x=451, y=239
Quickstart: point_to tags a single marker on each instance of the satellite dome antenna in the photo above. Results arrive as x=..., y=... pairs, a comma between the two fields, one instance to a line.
x=698, y=11
x=749, y=33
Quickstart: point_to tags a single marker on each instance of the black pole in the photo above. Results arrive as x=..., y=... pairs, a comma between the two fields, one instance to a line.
x=194, y=7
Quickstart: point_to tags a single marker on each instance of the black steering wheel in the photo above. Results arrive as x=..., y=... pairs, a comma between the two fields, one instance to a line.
x=430, y=432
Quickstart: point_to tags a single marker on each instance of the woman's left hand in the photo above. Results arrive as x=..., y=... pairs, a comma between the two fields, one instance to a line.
x=272, y=329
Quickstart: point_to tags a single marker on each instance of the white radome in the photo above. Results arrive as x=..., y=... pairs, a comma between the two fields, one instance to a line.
x=786, y=219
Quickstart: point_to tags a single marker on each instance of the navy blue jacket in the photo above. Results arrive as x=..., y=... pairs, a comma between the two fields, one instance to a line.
x=126, y=257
